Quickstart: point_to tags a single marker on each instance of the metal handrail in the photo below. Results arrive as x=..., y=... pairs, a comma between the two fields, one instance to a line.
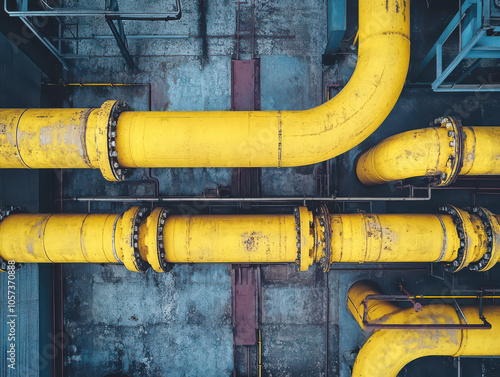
x=166, y=16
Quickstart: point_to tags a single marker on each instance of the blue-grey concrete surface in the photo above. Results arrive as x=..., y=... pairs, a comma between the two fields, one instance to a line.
x=23, y=316
x=176, y=324
x=293, y=321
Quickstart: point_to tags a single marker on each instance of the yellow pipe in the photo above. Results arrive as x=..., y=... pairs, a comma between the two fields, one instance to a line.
x=139, y=238
x=237, y=139
x=45, y=138
x=426, y=153
x=387, y=238
x=387, y=351
x=58, y=238
x=230, y=239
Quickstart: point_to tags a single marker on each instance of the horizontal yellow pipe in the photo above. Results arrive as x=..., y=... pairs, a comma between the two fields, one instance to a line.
x=482, y=151
x=230, y=239
x=140, y=239
x=387, y=351
x=387, y=238
x=391, y=238
x=58, y=138
x=426, y=152
x=58, y=238
x=46, y=138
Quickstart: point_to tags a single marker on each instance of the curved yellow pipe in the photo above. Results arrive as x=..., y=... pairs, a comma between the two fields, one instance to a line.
x=387, y=351
x=283, y=138
x=228, y=139
x=426, y=153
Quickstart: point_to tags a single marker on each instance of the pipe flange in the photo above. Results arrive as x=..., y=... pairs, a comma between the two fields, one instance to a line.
x=164, y=265
x=492, y=229
x=464, y=231
x=324, y=222
x=303, y=226
x=140, y=215
x=296, y=214
x=4, y=213
x=455, y=161
x=128, y=241
x=106, y=140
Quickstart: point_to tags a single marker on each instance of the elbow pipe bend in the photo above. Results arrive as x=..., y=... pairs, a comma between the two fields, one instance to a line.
x=441, y=153
x=113, y=139
x=386, y=352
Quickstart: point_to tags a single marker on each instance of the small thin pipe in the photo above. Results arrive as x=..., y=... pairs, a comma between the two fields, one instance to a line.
x=155, y=181
x=180, y=36
x=111, y=84
x=260, y=353
x=263, y=199
x=327, y=323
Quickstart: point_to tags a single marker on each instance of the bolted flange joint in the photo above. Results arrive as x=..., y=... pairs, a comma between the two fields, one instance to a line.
x=158, y=218
x=107, y=120
x=127, y=238
x=324, y=222
x=456, y=137
x=296, y=215
x=465, y=233
x=492, y=230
